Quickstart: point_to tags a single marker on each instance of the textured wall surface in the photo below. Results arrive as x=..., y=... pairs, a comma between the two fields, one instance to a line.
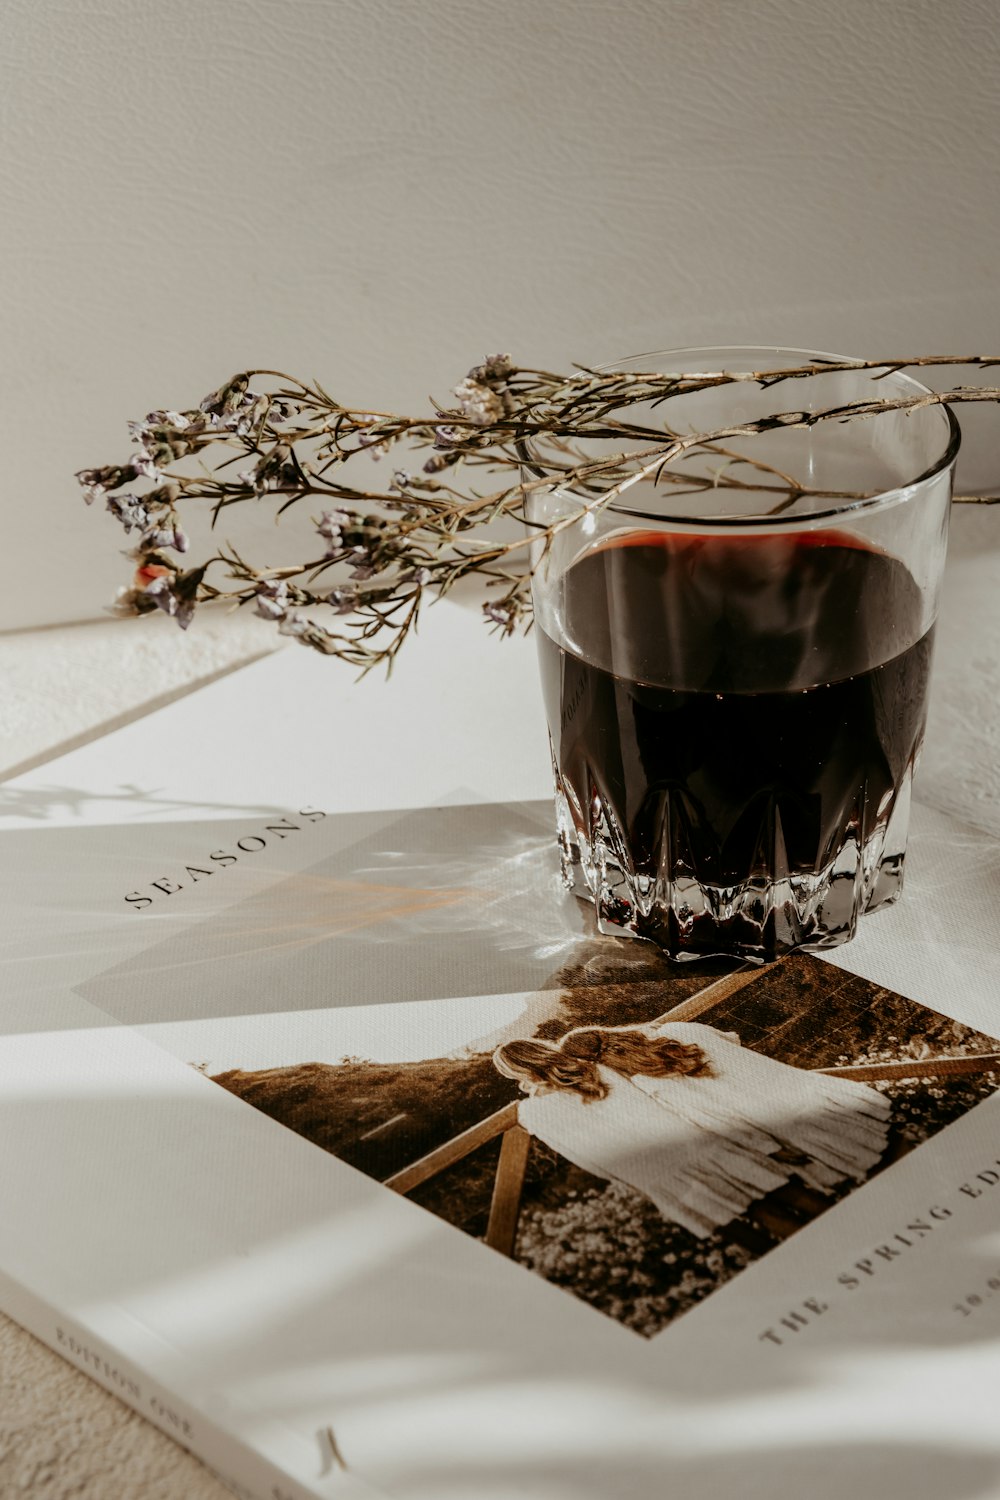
x=378, y=192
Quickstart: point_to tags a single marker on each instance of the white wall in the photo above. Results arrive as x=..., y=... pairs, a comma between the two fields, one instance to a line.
x=378, y=192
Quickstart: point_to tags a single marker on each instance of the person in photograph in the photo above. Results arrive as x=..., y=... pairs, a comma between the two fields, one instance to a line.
x=684, y=1114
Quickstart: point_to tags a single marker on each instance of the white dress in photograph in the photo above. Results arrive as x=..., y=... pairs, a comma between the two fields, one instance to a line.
x=702, y=1148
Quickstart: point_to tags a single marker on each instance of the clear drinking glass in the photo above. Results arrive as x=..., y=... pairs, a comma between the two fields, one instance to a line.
x=734, y=658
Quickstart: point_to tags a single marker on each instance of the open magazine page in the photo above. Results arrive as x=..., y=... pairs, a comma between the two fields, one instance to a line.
x=281, y=952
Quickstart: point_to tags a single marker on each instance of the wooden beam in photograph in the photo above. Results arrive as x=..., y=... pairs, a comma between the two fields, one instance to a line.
x=924, y=1067
x=505, y=1206
x=454, y=1150
x=696, y=1005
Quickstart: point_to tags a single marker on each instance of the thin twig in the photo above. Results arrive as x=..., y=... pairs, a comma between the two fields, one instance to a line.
x=391, y=549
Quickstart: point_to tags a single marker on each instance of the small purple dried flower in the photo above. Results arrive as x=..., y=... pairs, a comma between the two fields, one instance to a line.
x=293, y=623
x=228, y=398
x=249, y=416
x=493, y=371
x=97, y=482
x=149, y=461
x=479, y=403
x=158, y=586
x=166, y=421
x=159, y=535
x=164, y=436
x=160, y=590
x=274, y=471
x=282, y=410
x=332, y=525
x=131, y=510
x=272, y=599
x=503, y=612
x=155, y=537
x=342, y=601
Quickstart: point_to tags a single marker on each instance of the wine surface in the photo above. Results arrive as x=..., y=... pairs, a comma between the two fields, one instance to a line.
x=736, y=706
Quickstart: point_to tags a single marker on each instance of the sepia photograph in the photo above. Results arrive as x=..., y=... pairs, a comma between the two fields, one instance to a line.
x=635, y=1137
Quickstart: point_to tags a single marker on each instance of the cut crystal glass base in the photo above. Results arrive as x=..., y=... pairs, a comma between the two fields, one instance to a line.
x=772, y=911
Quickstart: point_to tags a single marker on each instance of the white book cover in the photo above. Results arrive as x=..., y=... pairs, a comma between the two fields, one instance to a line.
x=265, y=1174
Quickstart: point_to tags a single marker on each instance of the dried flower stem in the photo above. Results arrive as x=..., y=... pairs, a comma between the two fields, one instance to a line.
x=390, y=549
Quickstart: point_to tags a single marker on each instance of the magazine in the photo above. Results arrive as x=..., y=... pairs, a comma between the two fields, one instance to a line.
x=290, y=971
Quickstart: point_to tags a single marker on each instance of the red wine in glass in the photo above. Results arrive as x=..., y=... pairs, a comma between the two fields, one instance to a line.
x=734, y=719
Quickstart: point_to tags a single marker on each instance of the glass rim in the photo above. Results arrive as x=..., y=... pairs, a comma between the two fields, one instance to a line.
x=883, y=499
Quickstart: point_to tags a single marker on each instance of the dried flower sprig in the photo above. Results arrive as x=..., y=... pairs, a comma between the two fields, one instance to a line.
x=377, y=555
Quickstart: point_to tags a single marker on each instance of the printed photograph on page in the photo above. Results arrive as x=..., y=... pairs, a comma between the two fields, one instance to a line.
x=632, y=1132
